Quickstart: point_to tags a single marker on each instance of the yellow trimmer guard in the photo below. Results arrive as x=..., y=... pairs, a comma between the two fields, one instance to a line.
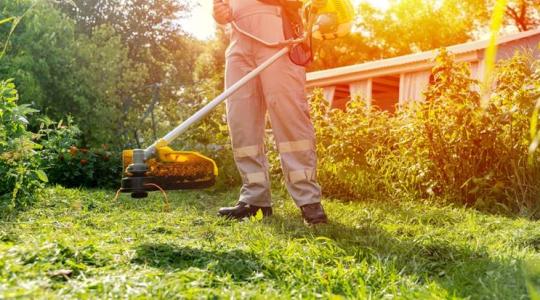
x=176, y=170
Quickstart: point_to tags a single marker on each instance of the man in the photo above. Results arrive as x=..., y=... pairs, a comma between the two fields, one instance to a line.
x=280, y=91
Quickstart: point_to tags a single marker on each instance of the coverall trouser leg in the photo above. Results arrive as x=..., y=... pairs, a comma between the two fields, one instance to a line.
x=280, y=92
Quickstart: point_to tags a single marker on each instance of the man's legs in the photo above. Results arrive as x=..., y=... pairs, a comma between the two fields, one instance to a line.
x=283, y=86
x=246, y=112
x=293, y=132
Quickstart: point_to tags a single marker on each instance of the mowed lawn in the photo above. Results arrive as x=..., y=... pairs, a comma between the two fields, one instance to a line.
x=82, y=244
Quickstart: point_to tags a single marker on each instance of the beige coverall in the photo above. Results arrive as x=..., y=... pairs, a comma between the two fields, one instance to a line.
x=280, y=91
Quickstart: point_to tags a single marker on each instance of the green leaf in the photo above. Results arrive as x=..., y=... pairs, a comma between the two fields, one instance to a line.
x=41, y=175
x=6, y=20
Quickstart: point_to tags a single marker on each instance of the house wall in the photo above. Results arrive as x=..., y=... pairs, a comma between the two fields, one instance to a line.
x=477, y=70
x=414, y=76
x=508, y=50
x=414, y=84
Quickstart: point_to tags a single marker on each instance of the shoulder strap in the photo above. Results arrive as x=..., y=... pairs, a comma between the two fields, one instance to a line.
x=293, y=28
x=286, y=4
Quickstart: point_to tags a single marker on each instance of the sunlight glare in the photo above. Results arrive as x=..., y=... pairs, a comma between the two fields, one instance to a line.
x=202, y=26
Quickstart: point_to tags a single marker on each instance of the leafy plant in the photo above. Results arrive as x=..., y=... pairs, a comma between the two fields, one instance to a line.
x=20, y=168
x=448, y=146
x=476, y=152
x=347, y=143
x=70, y=165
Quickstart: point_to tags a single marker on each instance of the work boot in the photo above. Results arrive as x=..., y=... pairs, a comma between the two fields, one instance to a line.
x=314, y=214
x=243, y=210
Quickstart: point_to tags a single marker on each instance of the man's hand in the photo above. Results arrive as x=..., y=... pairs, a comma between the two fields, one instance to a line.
x=318, y=4
x=223, y=12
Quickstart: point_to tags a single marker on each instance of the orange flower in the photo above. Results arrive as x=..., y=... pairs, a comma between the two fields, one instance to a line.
x=73, y=150
x=84, y=162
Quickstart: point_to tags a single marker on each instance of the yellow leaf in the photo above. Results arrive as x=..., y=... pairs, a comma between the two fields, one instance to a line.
x=258, y=216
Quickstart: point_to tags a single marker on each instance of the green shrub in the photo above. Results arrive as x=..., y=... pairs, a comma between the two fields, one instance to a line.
x=447, y=146
x=480, y=154
x=347, y=146
x=20, y=172
x=81, y=167
x=70, y=165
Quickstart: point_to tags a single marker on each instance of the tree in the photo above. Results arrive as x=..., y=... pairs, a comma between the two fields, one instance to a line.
x=420, y=25
x=524, y=14
x=408, y=26
x=63, y=73
x=149, y=29
x=105, y=76
x=100, y=60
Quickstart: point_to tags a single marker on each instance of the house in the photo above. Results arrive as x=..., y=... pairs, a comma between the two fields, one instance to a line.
x=389, y=83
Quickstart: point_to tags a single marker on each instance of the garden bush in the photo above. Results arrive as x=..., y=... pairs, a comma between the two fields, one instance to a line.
x=21, y=175
x=69, y=164
x=449, y=146
x=30, y=160
x=347, y=142
x=478, y=154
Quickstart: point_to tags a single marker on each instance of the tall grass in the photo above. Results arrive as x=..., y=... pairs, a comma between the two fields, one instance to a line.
x=14, y=23
x=2, y=22
x=535, y=133
x=491, y=52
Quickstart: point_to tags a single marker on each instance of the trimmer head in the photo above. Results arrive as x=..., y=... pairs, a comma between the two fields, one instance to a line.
x=169, y=170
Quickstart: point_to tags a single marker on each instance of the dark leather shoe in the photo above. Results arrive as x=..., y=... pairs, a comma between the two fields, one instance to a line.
x=243, y=210
x=314, y=214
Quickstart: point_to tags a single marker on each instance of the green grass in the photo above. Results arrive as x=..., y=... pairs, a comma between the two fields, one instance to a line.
x=81, y=244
